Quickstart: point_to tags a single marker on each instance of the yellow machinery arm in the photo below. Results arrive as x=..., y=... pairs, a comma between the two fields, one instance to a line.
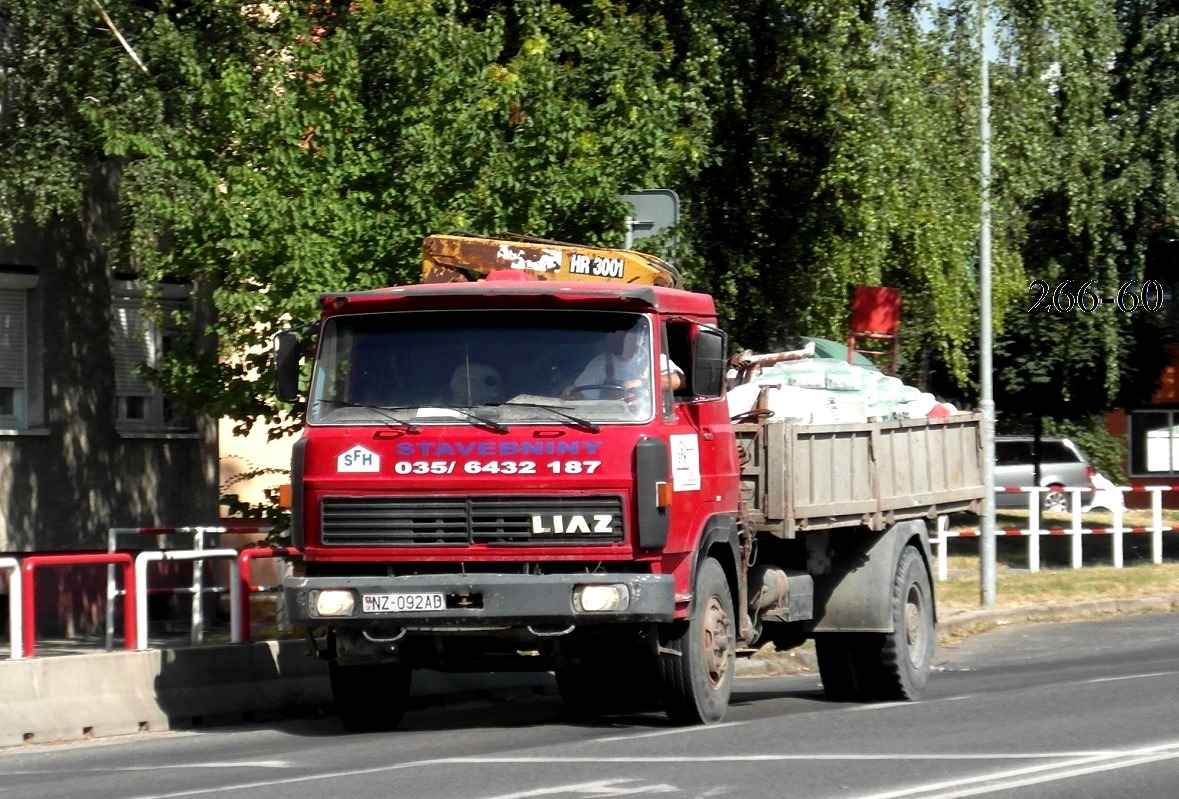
x=453, y=259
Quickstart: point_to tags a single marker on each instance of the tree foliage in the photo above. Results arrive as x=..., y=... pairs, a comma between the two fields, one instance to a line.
x=272, y=151
x=1096, y=205
x=278, y=150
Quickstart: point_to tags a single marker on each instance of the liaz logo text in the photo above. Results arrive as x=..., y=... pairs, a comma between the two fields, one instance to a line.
x=571, y=523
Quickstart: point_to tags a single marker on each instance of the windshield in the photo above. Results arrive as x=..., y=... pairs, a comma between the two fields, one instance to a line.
x=483, y=367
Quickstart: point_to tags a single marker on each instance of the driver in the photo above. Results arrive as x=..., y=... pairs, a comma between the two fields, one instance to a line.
x=625, y=364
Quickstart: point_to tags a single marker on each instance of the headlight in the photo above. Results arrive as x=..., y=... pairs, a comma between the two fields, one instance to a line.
x=333, y=603
x=601, y=598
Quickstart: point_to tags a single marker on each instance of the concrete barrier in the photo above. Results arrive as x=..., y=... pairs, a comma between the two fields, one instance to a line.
x=71, y=697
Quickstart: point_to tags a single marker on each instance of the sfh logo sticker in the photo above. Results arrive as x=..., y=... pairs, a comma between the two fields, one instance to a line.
x=358, y=459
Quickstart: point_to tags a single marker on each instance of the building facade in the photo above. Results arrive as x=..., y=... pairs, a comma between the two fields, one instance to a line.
x=87, y=444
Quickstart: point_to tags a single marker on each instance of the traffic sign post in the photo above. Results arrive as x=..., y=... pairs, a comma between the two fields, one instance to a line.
x=655, y=210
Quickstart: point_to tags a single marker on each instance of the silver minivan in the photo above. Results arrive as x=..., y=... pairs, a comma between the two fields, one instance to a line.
x=1062, y=465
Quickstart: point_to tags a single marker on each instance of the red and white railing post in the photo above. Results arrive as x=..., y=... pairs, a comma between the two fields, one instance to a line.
x=30, y=563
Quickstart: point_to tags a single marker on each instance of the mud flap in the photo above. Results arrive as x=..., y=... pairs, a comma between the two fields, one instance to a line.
x=854, y=596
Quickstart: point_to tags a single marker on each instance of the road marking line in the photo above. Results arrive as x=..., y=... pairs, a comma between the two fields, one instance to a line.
x=616, y=787
x=1062, y=775
x=1124, y=677
x=973, y=786
x=660, y=733
x=879, y=706
x=278, y=764
x=1077, y=759
x=889, y=705
x=658, y=759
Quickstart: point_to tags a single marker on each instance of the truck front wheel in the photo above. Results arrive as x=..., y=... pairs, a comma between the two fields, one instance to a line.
x=370, y=697
x=698, y=658
x=621, y=685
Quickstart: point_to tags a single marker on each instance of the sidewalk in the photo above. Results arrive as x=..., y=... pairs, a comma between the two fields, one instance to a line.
x=94, y=693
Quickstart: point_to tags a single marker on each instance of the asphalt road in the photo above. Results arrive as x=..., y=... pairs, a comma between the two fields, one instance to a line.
x=1056, y=710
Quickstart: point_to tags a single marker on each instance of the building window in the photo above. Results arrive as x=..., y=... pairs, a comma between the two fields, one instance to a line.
x=1154, y=443
x=139, y=338
x=14, y=356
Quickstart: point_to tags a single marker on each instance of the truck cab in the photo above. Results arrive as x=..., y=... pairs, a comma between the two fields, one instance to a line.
x=505, y=475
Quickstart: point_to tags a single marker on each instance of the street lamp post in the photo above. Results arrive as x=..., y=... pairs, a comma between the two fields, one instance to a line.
x=986, y=373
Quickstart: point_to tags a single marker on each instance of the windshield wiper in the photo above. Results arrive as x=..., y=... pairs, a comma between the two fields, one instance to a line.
x=480, y=421
x=384, y=410
x=576, y=421
x=410, y=426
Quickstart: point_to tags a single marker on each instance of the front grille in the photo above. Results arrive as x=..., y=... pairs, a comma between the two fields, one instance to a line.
x=443, y=521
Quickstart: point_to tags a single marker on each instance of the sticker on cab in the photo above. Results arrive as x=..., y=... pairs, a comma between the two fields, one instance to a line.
x=685, y=463
x=358, y=459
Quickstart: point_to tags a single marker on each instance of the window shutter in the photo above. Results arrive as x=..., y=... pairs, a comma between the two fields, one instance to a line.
x=132, y=345
x=12, y=339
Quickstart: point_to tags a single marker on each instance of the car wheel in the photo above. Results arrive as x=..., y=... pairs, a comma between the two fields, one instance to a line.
x=1056, y=499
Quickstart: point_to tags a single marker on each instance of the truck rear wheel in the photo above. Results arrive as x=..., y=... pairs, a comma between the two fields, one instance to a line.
x=697, y=671
x=370, y=697
x=845, y=665
x=907, y=652
x=861, y=667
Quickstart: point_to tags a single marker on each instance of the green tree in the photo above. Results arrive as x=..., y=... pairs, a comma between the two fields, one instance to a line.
x=1097, y=210
x=848, y=154
x=274, y=151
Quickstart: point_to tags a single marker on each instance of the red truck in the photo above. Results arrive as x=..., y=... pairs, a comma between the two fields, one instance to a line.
x=466, y=501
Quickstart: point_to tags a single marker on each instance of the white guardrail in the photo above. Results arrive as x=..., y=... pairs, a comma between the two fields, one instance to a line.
x=1077, y=528
x=199, y=537
x=153, y=556
x=15, y=595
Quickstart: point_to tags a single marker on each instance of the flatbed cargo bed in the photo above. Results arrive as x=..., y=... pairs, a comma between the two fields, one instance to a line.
x=796, y=478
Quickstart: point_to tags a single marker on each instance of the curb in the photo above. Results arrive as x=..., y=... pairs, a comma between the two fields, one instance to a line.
x=964, y=621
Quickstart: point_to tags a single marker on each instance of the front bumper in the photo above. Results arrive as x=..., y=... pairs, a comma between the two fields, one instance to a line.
x=484, y=601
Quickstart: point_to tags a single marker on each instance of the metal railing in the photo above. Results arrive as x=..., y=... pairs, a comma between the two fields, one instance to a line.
x=28, y=603
x=197, y=589
x=15, y=636
x=1076, y=530
x=155, y=555
x=22, y=609
x=245, y=558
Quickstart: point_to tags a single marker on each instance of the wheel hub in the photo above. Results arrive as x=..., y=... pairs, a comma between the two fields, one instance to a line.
x=717, y=640
x=914, y=626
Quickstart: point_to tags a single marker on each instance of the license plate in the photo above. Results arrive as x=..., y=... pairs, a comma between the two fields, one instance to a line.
x=403, y=603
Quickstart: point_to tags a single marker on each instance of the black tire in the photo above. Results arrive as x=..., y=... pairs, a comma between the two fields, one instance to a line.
x=628, y=684
x=697, y=666
x=863, y=667
x=370, y=697
x=580, y=690
x=907, y=653
x=845, y=665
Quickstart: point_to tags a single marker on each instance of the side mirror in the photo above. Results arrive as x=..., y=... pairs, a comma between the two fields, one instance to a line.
x=286, y=366
x=709, y=363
